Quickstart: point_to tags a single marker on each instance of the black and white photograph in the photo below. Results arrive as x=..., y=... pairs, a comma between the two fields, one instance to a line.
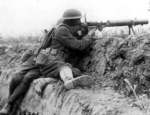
x=74, y=57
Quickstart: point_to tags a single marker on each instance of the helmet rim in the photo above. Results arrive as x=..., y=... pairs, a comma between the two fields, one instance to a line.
x=71, y=18
x=72, y=14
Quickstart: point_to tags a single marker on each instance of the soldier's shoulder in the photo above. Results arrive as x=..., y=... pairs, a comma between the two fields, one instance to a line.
x=62, y=28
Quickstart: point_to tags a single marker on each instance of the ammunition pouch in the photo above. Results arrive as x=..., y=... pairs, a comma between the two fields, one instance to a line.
x=57, y=54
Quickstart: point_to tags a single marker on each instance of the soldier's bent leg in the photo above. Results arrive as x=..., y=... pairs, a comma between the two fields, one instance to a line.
x=24, y=85
x=15, y=81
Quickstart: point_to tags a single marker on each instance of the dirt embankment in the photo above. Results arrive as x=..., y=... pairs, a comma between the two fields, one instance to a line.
x=115, y=63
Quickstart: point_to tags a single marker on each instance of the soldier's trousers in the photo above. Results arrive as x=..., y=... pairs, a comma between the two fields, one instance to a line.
x=20, y=84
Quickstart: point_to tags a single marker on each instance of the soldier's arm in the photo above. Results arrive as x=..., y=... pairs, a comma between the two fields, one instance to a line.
x=65, y=37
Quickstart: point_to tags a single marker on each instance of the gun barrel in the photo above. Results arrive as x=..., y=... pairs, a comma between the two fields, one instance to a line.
x=118, y=23
x=127, y=22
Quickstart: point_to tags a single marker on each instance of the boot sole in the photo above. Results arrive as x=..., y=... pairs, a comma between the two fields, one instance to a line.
x=83, y=81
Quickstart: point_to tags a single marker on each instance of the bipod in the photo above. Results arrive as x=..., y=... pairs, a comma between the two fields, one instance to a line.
x=131, y=29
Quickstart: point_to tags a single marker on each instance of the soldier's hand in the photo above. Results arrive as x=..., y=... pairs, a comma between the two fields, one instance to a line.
x=92, y=32
x=98, y=34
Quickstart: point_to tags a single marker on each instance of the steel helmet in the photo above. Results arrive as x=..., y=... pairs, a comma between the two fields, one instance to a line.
x=72, y=14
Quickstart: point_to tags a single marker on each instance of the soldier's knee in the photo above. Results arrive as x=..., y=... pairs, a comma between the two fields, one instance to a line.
x=30, y=76
x=16, y=78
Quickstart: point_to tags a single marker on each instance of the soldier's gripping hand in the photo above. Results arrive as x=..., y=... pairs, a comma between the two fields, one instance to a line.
x=95, y=34
x=91, y=33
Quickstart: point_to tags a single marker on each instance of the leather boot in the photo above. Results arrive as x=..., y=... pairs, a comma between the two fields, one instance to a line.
x=5, y=110
x=81, y=81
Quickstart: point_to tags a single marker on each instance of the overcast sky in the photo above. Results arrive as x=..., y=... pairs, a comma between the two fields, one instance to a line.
x=22, y=17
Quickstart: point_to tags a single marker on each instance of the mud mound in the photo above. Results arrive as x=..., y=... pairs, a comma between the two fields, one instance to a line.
x=115, y=59
x=55, y=100
x=112, y=62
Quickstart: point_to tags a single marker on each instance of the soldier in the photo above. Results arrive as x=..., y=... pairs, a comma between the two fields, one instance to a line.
x=70, y=42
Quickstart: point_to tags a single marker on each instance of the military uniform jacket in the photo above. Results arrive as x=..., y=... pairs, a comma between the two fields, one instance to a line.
x=69, y=46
